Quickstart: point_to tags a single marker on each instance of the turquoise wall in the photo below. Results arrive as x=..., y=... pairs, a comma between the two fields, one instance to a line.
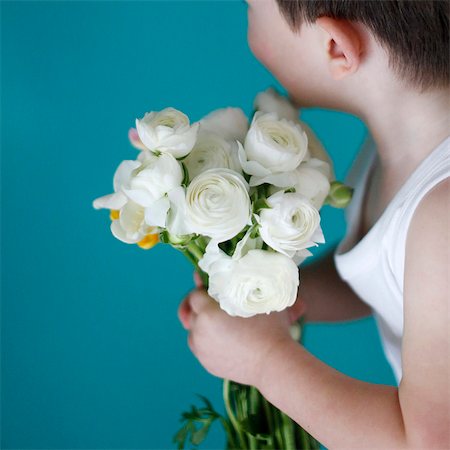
x=93, y=355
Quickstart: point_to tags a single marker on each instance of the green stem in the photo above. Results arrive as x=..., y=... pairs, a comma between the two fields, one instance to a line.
x=232, y=417
x=268, y=411
x=288, y=432
x=278, y=428
x=254, y=401
x=314, y=443
x=194, y=254
x=305, y=439
x=195, y=250
x=229, y=432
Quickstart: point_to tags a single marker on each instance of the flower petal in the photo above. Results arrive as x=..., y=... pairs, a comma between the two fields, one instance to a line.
x=110, y=201
x=156, y=213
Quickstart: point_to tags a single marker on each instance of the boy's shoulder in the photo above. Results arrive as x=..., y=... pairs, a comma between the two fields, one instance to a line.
x=429, y=228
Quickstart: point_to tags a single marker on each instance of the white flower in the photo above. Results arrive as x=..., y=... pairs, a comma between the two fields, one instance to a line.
x=259, y=282
x=176, y=222
x=229, y=123
x=167, y=131
x=307, y=180
x=271, y=101
x=153, y=178
x=272, y=145
x=291, y=224
x=212, y=151
x=130, y=227
x=218, y=204
x=122, y=176
x=146, y=182
x=319, y=156
x=134, y=139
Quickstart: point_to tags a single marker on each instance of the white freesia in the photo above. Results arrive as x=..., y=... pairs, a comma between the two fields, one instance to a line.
x=167, y=131
x=218, y=204
x=229, y=123
x=272, y=145
x=308, y=179
x=122, y=176
x=212, y=151
x=130, y=227
x=291, y=224
x=271, y=101
x=148, y=194
x=259, y=282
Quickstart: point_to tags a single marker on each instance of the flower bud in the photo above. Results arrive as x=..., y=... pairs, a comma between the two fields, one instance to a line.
x=339, y=195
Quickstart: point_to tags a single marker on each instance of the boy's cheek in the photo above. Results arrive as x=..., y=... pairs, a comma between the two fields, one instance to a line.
x=261, y=47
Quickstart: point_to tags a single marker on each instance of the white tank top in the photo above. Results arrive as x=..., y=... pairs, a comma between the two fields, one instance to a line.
x=374, y=267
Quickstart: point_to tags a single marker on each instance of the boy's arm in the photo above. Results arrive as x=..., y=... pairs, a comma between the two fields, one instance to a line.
x=342, y=412
x=346, y=413
x=326, y=296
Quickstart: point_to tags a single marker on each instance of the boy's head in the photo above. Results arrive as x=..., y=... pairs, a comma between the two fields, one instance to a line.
x=325, y=51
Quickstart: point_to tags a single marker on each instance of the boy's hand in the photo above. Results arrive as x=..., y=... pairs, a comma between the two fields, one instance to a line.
x=231, y=347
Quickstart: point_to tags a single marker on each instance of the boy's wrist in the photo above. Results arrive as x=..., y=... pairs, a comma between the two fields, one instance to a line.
x=276, y=361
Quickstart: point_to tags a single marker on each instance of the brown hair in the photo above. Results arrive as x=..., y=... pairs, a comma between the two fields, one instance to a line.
x=415, y=33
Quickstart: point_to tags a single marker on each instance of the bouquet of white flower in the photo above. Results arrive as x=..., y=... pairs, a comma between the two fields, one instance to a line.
x=242, y=202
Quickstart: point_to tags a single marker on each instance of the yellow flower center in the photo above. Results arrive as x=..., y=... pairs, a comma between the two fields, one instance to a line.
x=149, y=241
x=114, y=214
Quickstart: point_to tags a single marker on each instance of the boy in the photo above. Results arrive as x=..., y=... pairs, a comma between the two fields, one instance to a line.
x=388, y=63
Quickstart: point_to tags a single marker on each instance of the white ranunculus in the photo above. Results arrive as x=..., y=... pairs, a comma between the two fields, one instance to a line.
x=134, y=139
x=271, y=101
x=155, y=177
x=167, y=131
x=229, y=123
x=259, y=282
x=291, y=224
x=272, y=145
x=176, y=222
x=307, y=180
x=218, y=204
x=319, y=155
x=212, y=151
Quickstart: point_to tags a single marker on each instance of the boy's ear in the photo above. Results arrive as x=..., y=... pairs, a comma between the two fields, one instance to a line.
x=343, y=45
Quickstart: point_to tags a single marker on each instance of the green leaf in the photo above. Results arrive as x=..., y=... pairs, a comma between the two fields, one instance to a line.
x=197, y=422
x=181, y=436
x=259, y=204
x=199, y=435
x=207, y=403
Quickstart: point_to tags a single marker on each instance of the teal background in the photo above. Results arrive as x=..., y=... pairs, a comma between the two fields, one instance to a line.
x=93, y=355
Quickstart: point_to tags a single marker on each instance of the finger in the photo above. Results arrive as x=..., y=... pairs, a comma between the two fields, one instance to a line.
x=199, y=301
x=198, y=280
x=185, y=313
x=297, y=310
x=190, y=341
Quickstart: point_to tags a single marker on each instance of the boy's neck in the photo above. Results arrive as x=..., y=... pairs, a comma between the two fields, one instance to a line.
x=406, y=127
